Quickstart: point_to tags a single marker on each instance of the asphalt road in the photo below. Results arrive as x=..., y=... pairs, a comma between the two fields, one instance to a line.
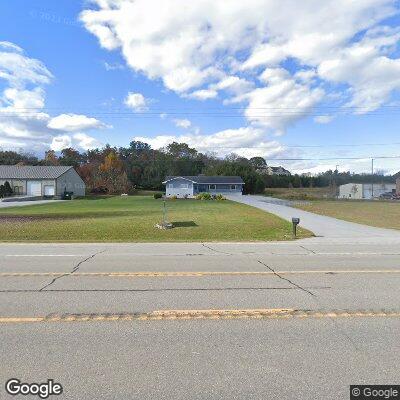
x=320, y=225
x=93, y=317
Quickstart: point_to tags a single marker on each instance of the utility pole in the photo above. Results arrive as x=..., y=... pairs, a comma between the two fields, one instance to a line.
x=335, y=183
x=372, y=170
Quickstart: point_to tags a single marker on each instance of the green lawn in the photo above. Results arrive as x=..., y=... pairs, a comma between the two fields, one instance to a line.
x=314, y=193
x=382, y=214
x=132, y=219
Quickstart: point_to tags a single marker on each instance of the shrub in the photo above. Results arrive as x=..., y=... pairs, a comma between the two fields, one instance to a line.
x=7, y=189
x=173, y=197
x=157, y=195
x=204, y=196
x=220, y=197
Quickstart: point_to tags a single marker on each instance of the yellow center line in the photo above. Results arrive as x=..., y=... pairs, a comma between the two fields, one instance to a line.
x=161, y=315
x=145, y=274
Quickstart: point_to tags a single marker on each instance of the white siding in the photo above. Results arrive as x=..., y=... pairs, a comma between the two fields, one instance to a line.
x=70, y=182
x=179, y=187
x=351, y=191
x=359, y=191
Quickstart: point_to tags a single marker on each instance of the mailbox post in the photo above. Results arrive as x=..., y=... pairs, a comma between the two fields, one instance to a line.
x=295, y=222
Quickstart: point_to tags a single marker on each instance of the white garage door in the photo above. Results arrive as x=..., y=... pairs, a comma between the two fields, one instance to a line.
x=49, y=190
x=34, y=188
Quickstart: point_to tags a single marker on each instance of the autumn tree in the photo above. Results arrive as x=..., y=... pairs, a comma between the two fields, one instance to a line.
x=112, y=175
x=71, y=157
x=50, y=158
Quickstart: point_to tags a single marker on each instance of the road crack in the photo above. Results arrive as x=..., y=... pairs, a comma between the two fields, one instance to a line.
x=286, y=279
x=216, y=251
x=309, y=250
x=334, y=322
x=76, y=268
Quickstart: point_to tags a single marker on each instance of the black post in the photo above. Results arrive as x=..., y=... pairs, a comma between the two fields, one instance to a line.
x=295, y=222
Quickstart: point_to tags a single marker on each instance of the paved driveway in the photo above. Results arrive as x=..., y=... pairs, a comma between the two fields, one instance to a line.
x=319, y=224
x=24, y=203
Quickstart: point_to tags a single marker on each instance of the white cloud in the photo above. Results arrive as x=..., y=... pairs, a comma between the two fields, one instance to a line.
x=136, y=101
x=203, y=94
x=24, y=123
x=305, y=75
x=19, y=70
x=11, y=46
x=246, y=141
x=113, y=66
x=323, y=119
x=334, y=41
x=234, y=85
x=61, y=142
x=372, y=75
x=182, y=123
x=86, y=142
x=80, y=141
x=74, y=123
x=281, y=102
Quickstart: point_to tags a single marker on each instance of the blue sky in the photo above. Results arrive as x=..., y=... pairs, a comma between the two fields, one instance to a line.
x=248, y=78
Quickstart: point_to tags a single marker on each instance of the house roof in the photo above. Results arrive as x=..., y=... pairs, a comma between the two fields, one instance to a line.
x=279, y=168
x=231, y=180
x=32, y=172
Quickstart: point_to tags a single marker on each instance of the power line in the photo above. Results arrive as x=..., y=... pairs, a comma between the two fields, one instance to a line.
x=332, y=158
x=197, y=115
x=215, y=108
x=309, y=146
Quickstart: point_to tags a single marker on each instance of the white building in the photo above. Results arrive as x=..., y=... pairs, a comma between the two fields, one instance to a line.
x=39, y=181
x=359, y=191
x=268, y=170
x=190, y=186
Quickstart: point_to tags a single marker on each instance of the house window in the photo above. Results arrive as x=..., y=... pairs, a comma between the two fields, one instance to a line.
x=17, y=190
x=233, y=187
x=184, y=186
x=212, y=187
x=170, y=185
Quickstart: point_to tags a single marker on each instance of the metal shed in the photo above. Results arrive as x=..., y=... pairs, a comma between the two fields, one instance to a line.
x=40, y=181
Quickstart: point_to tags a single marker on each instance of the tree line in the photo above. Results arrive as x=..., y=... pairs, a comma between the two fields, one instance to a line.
x=114, y=170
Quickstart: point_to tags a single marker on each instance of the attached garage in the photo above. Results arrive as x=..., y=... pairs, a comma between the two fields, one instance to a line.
x=34, y=188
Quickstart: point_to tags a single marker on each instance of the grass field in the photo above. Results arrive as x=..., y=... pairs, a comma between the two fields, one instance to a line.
x=300, y=193
x=382, y=214
x=132, y=219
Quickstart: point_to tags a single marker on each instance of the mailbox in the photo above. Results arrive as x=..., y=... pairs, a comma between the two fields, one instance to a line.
x=295, y=222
